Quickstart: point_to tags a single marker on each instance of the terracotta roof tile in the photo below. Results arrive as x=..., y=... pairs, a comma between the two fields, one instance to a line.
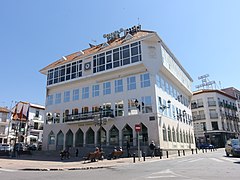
x=4, y=110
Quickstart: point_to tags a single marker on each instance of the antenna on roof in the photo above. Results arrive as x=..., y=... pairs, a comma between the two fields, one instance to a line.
x=64, y=58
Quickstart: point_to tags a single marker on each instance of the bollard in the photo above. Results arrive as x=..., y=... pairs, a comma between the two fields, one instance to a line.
x=203, y=150
x=206, y=150
x=178, y=152
x=196, y=150
x=144, y=155
x=167, y=153
x=183, y=152
x=134, y=156
x=160, y=154
x=192, y=151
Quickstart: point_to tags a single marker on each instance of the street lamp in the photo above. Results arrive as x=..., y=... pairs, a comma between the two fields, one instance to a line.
x=99, y=121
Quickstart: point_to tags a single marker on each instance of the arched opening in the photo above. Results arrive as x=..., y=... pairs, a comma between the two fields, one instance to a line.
x=178, y=140
x=69, y=139
x=114, y=136
x=169, y=134
x=173, y=135
x=79, y=138
x=51, y=138
x=127, y=134
x=144, y=135
x=60, y=141
x=164, y=132
x=90, y=136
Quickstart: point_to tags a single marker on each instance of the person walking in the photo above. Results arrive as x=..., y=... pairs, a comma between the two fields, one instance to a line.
x=152, y=148
x=77, y=152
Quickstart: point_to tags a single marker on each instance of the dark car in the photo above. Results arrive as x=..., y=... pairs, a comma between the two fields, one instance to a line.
x=206, y=146
x=232, y=147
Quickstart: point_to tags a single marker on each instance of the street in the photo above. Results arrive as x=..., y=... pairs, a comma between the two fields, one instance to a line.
x=211, y=165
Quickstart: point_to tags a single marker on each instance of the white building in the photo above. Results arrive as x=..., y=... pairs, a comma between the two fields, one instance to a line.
x=4, y=121
x=214, y=116
x=27, y=123
x=135, y=78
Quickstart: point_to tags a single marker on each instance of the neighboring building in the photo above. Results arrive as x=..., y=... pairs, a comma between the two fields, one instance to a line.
x=27, y=123
x=214, y=116
x=4, y=122
x=130, y=79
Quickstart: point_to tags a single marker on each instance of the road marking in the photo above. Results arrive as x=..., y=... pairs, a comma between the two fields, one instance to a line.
x=164, y=174
x=195, y=160
x=228, y=159
x=215, y=159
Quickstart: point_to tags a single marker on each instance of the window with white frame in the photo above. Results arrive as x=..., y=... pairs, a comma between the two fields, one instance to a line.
x=119, y=111
x=145, y=80
x=50, y=100
x=106, y=88
x=133, y=106
x=66, y=96
x=146, y=104
x=85, y=92
x=131, y=83
x=158, y=81
x=95, y=90
x=58, y=98
x=75, y=94
x=118, y=85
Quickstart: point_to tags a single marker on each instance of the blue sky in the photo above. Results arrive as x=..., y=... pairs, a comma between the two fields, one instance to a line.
x=204, y=35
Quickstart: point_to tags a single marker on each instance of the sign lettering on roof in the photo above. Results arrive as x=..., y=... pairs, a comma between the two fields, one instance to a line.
x=117, y=34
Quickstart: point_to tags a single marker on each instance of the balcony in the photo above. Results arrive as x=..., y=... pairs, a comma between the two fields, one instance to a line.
x=211, y=103
x=196, y=105
x=199, y=117
x=88, y=116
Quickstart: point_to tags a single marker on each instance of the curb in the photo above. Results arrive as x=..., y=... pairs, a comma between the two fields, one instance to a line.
x=62, y=169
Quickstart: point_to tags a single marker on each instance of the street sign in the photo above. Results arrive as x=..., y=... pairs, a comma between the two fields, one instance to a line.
x=137, y=127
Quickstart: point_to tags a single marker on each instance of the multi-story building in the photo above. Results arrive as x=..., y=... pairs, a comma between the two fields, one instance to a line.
x=4, y=122
x=131, y=79
x=27, y=123
x=214, y=116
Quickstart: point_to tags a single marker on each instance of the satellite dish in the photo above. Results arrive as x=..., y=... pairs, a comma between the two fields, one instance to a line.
x=104, y=36
x=49, y=115
x=121, y=30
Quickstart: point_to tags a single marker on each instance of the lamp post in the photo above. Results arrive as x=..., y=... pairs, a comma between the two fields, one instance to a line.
x=98, y=121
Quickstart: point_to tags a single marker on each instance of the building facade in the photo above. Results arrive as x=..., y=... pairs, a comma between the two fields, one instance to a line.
x=27, y=123
x=96, y=96
x=214, y=116
x=4, y=123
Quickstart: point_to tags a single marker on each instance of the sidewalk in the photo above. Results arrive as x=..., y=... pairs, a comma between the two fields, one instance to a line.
x=41, y=162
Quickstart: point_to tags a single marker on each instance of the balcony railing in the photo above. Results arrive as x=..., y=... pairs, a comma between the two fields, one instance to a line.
x=88, y=115
x=199, y=117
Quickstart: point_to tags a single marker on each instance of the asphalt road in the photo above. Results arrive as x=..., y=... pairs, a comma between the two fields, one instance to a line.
x=211, y=165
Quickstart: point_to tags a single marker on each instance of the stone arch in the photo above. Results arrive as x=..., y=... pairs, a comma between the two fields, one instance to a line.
x=69, y=139
x=90, y=136
x=114, y=136
x=127, y=134
x=60, y=140
x=79, y=138
x=103, y=137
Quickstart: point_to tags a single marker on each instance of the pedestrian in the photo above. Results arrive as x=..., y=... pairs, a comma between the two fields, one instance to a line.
x=77, y=152
x=152, y=148
x=128, y=149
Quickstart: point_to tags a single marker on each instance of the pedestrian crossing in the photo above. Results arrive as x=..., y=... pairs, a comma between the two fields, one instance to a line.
x=219, y=160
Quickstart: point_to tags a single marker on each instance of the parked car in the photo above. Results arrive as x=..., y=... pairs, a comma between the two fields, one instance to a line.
x=206, y=146
x=5, y=147
x=232, y=147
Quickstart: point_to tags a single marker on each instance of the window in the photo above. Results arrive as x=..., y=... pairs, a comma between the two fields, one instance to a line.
x=50, y=100
x=75, y=94
x=118, y=85
x=146, y=104
x=66, y=96
x=58, y=98
x=37, y=113
x=62, y=73
x=85, y=92
x=135, y=52
x=215, y=125
x=169, y=134
x=106, y=88
x=145, y=80
x=50, y=77
x=95, y=90
x=131, y=83
x=109, y=60
x=119, y=108
x=56, y=75
x=133, y=106
x=126, y=55
x=158, y=81
x=51, y=138
x=74, y=70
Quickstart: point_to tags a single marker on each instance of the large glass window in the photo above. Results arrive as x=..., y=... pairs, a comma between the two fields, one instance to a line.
x=58, y=98
x=66, y=96
x=95, y=90
x=106, y=88
x=85, y=92
x=118, y=85
x=146, y=104
x=75, y=94
x=119, y=108
x=145, y=80
x=133, y=106
x=131, y=83
x=126, y=55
